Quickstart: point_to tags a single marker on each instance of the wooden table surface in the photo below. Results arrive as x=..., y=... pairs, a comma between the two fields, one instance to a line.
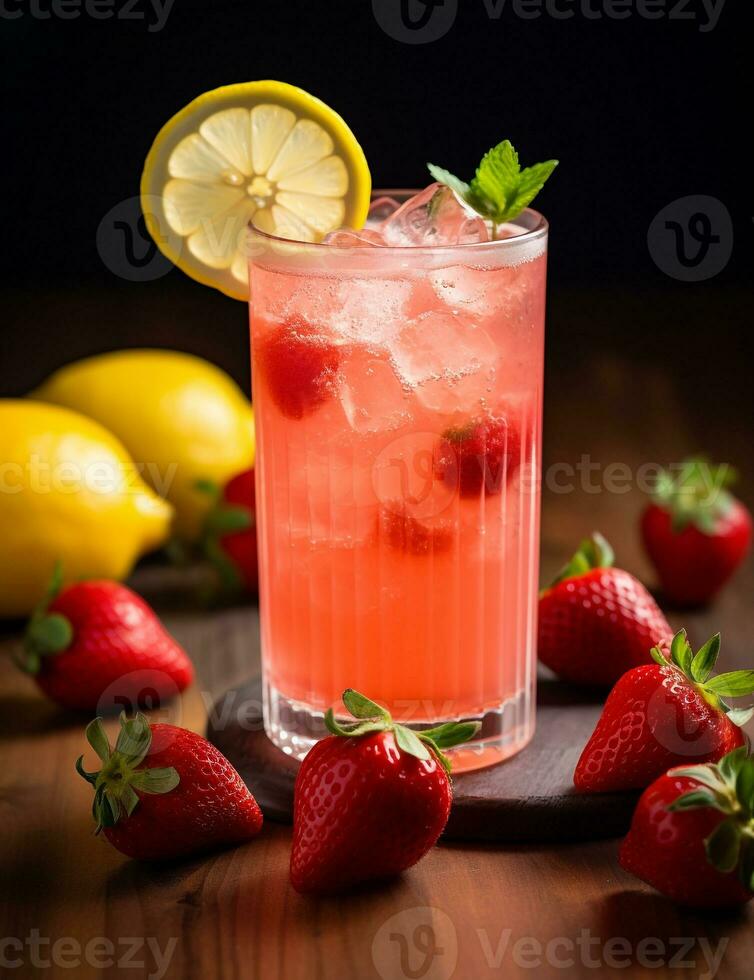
x=74, y=907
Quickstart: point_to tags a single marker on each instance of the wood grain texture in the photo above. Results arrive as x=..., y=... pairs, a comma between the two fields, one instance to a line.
x=233, y=916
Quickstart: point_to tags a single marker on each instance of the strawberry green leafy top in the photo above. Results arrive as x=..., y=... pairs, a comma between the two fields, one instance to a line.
x=500, y=189
x=696, y=494
x=727, y=786
x=372, y=717
x=115, y=784
x=697, y=668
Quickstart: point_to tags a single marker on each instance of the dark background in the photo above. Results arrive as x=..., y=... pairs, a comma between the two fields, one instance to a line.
x=640, y=112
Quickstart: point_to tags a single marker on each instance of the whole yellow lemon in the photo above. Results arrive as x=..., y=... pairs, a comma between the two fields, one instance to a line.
x=69, y=492
x=181, y=418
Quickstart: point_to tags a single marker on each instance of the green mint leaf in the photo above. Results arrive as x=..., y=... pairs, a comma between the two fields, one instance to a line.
x=500, y=189
x=450, y=180
x=531, y=182
x=497, y=179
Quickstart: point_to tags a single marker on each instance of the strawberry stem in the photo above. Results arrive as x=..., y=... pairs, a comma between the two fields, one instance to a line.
x=726, y=786
x=46, y=633
x=372, y=717
x=697, y=668
x=594, y=552
x=222, y=519
x=115, y=785
x=695, y=494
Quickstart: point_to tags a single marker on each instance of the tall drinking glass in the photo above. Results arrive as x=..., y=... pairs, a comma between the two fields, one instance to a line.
x=398, y=400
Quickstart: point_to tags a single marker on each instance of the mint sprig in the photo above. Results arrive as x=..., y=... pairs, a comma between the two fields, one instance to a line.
x=500, y=189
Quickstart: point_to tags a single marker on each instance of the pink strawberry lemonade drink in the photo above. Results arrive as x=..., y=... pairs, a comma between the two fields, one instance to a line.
x=398, y=395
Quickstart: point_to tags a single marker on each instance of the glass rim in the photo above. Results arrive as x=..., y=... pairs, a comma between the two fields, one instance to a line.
x=538, y=230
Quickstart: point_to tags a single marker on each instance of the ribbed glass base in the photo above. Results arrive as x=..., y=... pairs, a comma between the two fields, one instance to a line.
x=294, y=727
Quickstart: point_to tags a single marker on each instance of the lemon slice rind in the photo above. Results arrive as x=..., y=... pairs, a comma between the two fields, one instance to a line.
x=264, y=151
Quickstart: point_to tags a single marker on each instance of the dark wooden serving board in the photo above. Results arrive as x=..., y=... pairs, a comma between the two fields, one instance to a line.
x=528, y=798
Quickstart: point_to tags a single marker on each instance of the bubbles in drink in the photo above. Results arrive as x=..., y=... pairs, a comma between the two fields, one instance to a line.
x=450, y=360
x=481, y=291
x=370, y=393
x=369, y=310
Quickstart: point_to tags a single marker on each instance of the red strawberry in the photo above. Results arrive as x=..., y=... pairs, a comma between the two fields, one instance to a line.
x=371, y=799
x=98, y=637
x=299, y=365
x=165, y=792
x=663, y=715
x=404, y=532
x=596, y=621
x=230, y=534
x=691, y=835
x=482, y=454
x=696, y=533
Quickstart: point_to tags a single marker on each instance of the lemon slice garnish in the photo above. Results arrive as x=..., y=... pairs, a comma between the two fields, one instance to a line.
x=265, y=152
